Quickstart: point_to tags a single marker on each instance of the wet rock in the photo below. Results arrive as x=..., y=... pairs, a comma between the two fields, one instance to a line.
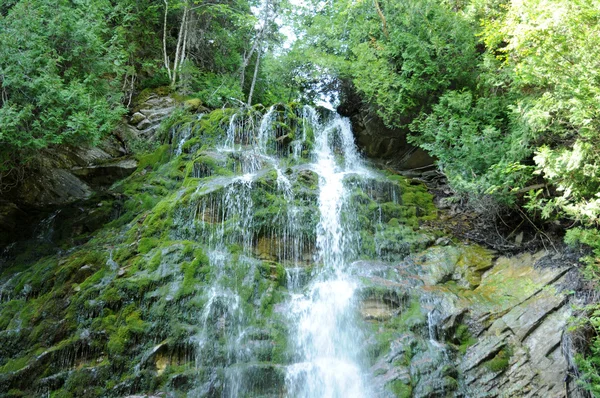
x=525, y=317
x=52, y=187
x=83, y=273
x=157, y=358
x=258, y=379
x=106, y=173
x=268, y=248
x=149, y=114
x=11, y=220
x=59, y=176
x=136, y=118
x=389, y=145
x=513, y=309
x=144, y=124
x=158, y=114
x=376, y=310
x=485, y=348
x=435, y=374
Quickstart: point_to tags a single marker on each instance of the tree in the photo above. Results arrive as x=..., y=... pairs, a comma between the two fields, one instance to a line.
x=61, y=69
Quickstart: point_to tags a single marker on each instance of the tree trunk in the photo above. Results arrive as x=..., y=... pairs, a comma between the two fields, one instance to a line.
x=254, y=78
x=246, y=59
x=255, y=45
x=166, y=56
x=185, y=39
x=180, y=42
x=383, y=21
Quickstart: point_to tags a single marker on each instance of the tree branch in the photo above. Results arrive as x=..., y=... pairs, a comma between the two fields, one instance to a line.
x=383, y=21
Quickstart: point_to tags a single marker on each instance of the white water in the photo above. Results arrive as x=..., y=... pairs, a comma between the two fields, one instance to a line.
x=323, y=320
x=327, y=339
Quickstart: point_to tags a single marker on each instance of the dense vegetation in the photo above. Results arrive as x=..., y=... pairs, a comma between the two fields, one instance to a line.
x=505, y=94
x=68, y=70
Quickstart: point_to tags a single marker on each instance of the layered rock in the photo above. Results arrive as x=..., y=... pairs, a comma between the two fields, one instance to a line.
x=149, y=114
x=389, y=147
x=473, y=325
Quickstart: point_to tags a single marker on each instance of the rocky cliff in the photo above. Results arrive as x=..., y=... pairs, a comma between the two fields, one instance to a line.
x=212, y=267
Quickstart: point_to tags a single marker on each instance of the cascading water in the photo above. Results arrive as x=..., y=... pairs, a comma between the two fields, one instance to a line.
x=326, y=335
x=285, y=189
x=323, y=328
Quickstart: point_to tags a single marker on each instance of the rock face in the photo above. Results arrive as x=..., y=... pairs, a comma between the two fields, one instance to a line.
x=144, y=123
x=188, y=290
x=471, y=325
x=63, y=175
x=380, y=143
x=59, y=178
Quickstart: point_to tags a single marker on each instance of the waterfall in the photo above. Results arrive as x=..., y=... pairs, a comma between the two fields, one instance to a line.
x=268, y=260
x=327, y=340
x=271, y=153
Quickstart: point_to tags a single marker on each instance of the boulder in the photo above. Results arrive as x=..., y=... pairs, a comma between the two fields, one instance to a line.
x=136, y=118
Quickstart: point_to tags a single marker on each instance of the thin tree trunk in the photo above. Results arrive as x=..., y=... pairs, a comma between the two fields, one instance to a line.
x=165, y=40
x=243, y=71
x=383, y=21
x=177, y=62
x=254, y=78
x=247, y=58
x=185, y=38
x=255, y=45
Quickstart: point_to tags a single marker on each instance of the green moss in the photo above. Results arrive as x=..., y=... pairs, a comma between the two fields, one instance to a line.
x=500, y=362
x=10, y=309
x=273, y=271
x=200, y=259
x=214, y=124
x=206, y=166
x=463, y=338
x=189, y=280
x=411, y=317
x=155, y=159
x=135, y=325
x=147, y=244
x=474, y=261
x=14, y=364
x=400, y=390
x=146, y=93
x=192, y=104
x=154, y=262
x=188, y=249
x=112, y=297
x=62, y=393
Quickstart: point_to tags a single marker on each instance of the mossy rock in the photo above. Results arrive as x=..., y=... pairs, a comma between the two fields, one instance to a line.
x=193, y=104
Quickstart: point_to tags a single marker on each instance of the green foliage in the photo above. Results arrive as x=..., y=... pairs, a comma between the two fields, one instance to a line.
x=464, y=338
x=216, y=90
x=574, y=172
x=483, y=85
x=477, y=141
x=588, y=361
x=400, y=389
x=61, y=67
x=430, y=49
